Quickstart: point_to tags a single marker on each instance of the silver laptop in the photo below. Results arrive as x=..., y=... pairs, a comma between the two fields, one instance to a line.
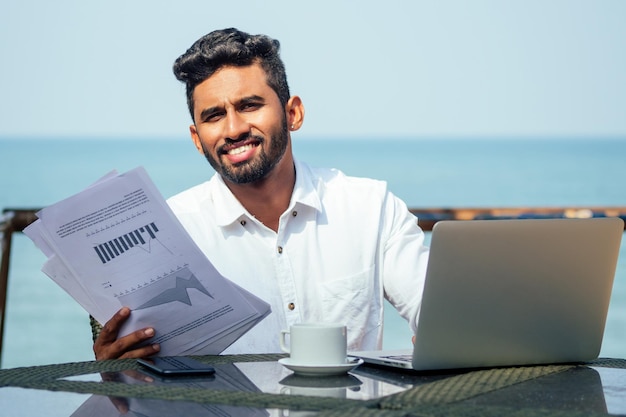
x=512, y=292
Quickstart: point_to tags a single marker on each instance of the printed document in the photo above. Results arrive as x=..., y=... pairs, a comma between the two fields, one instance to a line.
x=117, y=243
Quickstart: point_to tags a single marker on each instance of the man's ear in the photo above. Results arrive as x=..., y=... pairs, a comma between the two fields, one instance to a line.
x=295, y=113
x=195, y=138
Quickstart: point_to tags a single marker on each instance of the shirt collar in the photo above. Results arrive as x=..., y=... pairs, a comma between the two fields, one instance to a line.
x=305, y=190
x=229, y=210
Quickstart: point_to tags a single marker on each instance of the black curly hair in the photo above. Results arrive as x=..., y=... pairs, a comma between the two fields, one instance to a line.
x=231, y=47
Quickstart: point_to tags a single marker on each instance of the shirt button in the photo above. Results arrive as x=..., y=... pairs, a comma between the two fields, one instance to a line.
x=243, y=222
x=294, y=213
x=291, y=306
x=280, y=249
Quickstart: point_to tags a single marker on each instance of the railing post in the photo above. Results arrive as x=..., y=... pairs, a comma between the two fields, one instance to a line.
x=11, y=220
x=6, y=232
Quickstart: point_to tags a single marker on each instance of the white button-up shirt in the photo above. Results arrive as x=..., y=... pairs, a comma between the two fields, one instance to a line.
x=343, y=245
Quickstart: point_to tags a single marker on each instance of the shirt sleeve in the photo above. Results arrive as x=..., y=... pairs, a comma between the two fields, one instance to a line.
x=404, y=259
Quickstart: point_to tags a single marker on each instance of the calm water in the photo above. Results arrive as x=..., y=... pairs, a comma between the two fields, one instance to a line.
x=44, y=325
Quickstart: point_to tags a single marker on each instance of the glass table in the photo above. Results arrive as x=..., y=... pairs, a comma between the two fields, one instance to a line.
x=257, y=385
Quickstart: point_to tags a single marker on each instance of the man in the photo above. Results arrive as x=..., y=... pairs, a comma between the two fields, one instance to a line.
x=314, y=243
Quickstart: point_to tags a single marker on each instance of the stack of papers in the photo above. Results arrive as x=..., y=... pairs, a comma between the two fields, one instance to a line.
x=117, y=243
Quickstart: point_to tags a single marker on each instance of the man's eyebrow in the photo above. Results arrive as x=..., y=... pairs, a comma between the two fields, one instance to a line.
x=251, y=99
x=208, y=112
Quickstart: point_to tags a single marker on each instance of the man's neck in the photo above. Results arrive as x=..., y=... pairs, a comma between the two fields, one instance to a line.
x=269, y=198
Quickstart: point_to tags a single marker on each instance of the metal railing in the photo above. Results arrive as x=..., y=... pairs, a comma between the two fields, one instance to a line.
x=15, y=220
x=11, y=221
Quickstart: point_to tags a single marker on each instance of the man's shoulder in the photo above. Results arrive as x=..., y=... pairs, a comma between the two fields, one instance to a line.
x=335, y=178
x=336, y=190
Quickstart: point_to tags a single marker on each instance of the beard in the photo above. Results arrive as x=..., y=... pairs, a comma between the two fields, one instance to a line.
x=255, y=169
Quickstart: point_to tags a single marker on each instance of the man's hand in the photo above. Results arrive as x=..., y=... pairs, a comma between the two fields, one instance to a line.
x=108, y=346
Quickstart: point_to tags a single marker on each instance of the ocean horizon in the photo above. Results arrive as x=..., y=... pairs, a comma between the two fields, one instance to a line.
x=44, y=325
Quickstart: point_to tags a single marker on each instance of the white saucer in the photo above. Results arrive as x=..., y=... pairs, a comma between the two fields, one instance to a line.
x=320, y=370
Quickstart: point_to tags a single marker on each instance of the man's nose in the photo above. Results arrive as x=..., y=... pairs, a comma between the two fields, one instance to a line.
x=236, y=126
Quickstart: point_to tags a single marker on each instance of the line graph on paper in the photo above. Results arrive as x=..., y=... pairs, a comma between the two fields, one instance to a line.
x=167, y=288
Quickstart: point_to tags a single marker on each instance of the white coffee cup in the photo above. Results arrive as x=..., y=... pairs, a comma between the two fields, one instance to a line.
x=315, y=343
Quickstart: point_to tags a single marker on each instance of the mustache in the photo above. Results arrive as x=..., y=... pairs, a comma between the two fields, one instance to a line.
x=244, y=137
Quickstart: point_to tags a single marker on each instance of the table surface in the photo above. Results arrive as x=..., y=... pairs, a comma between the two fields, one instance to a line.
x=257, y=385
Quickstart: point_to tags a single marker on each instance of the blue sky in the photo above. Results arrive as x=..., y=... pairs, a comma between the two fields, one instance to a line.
x=363, y=68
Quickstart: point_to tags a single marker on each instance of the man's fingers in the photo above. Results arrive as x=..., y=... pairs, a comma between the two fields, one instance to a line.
x=121, y=348
x=112, y=327
x=108, y=346
x=142, y=352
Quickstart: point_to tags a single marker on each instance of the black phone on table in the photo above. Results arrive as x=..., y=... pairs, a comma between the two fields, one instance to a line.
x=176, y=365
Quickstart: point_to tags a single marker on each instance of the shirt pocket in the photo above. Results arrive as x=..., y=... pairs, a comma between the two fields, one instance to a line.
x=350, y=300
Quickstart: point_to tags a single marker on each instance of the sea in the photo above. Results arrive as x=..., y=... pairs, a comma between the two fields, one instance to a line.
x=44, y=325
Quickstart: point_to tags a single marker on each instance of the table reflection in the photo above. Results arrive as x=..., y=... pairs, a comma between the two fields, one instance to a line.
x=588, y=389
x=331, y=386
x=101, y=406
x=267, y=377
x=227, y=377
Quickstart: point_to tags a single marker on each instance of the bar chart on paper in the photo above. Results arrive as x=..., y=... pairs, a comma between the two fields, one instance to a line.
x=140, y=238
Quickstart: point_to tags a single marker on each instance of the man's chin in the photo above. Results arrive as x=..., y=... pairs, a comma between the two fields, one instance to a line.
x=244, y=176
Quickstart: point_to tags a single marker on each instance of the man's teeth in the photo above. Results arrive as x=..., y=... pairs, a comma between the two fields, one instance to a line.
x=240, y=149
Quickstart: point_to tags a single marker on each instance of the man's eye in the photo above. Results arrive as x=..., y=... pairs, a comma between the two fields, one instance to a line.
x=213, y=117
x=250, y=106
